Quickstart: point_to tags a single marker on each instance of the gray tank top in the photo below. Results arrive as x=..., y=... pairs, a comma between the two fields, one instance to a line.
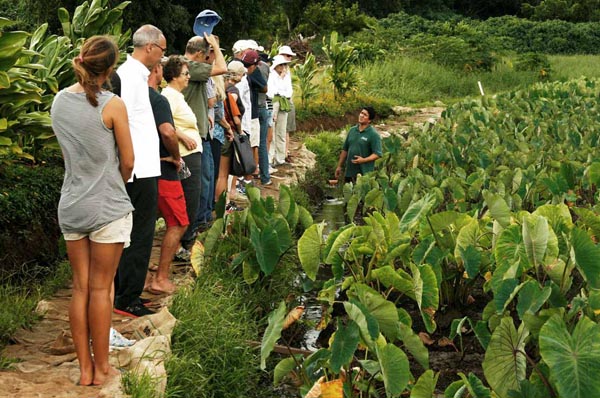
x=93, y=192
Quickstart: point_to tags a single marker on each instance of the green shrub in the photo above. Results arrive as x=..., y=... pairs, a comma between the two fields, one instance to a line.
x=304, y=75
x=29, y=232
x=534, y=62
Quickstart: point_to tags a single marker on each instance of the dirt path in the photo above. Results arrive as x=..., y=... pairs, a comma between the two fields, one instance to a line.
x=46, y=364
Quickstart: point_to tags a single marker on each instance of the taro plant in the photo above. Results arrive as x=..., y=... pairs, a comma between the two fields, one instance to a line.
x=365, y=354
x=263, y=233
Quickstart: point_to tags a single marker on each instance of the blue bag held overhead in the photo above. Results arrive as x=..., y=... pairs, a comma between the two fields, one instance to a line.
x=205, y=22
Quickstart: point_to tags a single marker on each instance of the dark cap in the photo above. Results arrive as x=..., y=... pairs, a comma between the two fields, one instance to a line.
x=249, y=58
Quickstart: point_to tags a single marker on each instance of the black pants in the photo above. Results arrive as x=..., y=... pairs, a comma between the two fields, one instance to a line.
x=131, y=273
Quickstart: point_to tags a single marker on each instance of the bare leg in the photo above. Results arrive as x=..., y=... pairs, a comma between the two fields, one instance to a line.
x=103, y=264
x=223, y=175
x=79, y=257
x=170, y=243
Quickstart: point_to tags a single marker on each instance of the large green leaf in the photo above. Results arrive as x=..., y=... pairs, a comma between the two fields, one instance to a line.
x=381, y=309
x=426, y=293
x=573, y=359
x=394, y=369
x=587, y=257
x=532, y=297
x=535, y=238
x=309, y=249
x=11, y=43
x=467, y=236
x=415, y=212
x=474, y=386
x=505, y=292
x=341, y=239
x=306, y=219
x=505, y=363
x=213, y=236
x=284, y=367
x=398, y=279
x=425, y=386
x=284, y=235
x=272, y=333
x=367, y=324
x=414, y=344
x=471, y=258
x=345, y=342
x=498, y=207
x=264, y=242
x=557, y=215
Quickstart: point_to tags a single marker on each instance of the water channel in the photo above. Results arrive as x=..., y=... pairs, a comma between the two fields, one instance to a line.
x=332, y=213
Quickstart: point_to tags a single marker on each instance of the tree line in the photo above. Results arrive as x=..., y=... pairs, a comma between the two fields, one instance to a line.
x=268, y=21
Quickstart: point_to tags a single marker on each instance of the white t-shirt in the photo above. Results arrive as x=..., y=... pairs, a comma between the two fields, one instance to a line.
x=144, y=136
x=244, y=87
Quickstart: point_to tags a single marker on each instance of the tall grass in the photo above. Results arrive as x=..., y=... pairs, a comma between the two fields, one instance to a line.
x=218, y=317
x=566, y=67
x=411, y=81
x=211, y=354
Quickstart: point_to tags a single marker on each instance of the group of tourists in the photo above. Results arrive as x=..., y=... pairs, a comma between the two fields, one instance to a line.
x=132, y=152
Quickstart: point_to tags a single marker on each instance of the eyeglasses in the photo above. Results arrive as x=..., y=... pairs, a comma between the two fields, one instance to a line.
x=186, y=73
x=164, y=50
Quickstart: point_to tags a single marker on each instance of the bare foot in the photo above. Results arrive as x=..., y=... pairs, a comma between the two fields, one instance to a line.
x=159, y=286
x=101, y=377
x=86, y=376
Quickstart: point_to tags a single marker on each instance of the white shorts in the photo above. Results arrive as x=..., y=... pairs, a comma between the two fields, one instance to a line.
x=255, y=133
x=115, y=232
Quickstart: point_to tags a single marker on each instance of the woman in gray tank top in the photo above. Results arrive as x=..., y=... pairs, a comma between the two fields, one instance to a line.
x=94, y=211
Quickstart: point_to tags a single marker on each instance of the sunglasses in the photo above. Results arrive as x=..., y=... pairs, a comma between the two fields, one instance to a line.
x=164, y=50
x=186, y=73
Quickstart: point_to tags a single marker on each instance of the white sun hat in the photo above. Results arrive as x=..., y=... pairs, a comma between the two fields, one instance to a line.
x=286, y=50
x=279, y=60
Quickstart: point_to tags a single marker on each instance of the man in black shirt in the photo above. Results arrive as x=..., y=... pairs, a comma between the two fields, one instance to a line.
x=171, y=200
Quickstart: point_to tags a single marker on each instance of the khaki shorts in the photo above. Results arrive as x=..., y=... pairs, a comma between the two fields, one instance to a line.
x=118, y=231
x=255, y=133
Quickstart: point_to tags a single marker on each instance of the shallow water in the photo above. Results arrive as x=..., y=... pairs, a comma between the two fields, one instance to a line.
x=332, y=212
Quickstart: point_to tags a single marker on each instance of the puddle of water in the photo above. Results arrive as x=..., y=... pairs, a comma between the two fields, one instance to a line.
x=332, y=211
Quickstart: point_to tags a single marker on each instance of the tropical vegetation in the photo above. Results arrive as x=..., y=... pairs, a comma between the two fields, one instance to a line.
x=488, y=216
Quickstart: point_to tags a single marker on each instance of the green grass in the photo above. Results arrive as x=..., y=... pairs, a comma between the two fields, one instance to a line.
x=409, y=81
x=566, y=67
x=18, y=301
x=138, y=386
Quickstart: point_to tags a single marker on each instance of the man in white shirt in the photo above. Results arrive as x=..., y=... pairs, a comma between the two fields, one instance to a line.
x=149, y=47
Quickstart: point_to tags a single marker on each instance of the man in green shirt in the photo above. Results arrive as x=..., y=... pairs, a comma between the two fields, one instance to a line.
x=361, y=148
